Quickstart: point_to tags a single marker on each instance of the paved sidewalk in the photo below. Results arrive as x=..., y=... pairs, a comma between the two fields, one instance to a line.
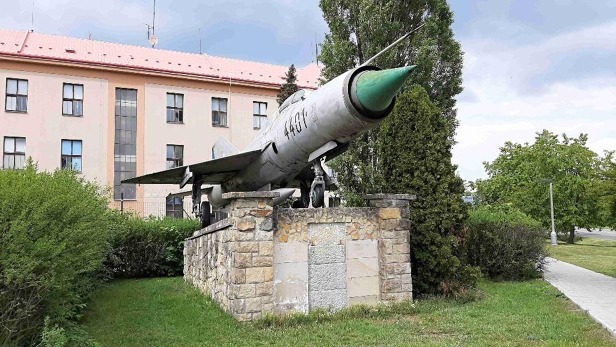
x=591, y=291
x=597, y=234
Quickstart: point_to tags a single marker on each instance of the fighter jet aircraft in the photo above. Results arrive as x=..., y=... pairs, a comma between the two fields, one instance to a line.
x=308, y=126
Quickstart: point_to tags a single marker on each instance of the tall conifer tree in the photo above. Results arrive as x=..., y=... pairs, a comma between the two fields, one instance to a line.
x=358, y=30
x=289, y=87
x=415, y=157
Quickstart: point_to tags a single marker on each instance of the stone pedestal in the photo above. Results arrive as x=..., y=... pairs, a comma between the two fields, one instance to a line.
x=252, y=269
x=232, y=260
x=394, y=245
x=263, y=260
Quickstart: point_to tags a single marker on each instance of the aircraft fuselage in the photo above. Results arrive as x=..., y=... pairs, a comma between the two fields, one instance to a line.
x=298, y=130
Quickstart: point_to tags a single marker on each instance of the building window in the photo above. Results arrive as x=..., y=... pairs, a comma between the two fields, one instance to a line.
x=14, y=153
x=218, y=214
x=259, y=115
x=174, y=207
x=175, y=108
x=16, y=95
x=334, y=201
x=71, y=155
x=175, y=156
x=219, y=112
x=72, y=99
x=125, y=143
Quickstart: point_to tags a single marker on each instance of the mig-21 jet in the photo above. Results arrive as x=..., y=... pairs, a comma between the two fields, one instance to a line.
x=308, y=127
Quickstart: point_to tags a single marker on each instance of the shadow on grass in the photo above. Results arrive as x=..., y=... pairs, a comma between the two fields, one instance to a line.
x=380, y=311
x=583, y=245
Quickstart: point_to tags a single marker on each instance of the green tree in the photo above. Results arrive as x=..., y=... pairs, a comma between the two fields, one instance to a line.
x=289, y=87
x=360, y=29
x=607, y=190
x=421, y=165
x=520, y=173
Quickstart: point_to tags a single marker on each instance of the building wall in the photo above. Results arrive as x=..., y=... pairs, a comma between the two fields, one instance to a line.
x=44, y=126
x=196, y=134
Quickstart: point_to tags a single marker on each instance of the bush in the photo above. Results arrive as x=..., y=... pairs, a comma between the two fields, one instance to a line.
x=415, y=157
x=148, y=248
x=505, y=243
x=54, y=230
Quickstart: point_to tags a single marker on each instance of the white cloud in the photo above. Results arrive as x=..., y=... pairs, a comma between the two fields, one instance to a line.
x=498, y=77
x=70, y=17
x=273, y=25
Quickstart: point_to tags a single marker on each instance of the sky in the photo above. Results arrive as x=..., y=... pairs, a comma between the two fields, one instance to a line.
x=529, y=65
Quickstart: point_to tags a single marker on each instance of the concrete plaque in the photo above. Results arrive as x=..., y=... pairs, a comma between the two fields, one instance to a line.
x=327, y=280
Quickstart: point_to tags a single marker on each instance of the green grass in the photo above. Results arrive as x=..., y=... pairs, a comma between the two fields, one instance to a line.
x=592, y=254
x=168, y=312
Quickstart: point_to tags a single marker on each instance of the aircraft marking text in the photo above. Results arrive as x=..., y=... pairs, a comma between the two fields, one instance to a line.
x=293, y=125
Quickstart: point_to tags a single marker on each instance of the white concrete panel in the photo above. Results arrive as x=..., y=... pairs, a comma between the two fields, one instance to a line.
x=290, y=252
x=362, y=267
x=362, y=249
x=363, y=286
x=291, y=287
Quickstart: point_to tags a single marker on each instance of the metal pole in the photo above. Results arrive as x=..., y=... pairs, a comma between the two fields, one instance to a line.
x=122, y=202
x=392, y=45
x=154, y=18
x=553, y=233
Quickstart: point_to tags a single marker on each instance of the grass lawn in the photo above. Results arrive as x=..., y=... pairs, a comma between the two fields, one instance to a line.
x=593, y=254
x=168, y=312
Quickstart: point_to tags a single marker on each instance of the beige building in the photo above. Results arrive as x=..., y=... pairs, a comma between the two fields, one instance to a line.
x=113, y=111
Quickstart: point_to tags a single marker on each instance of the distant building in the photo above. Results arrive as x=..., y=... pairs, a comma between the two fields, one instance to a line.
x=114, y=111
x=469, y=199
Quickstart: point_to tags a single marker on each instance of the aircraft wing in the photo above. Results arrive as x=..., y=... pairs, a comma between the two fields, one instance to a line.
x=204, y=191
x=213, y=171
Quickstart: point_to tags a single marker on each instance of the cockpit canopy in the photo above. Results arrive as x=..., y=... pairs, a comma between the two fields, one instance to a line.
x=297, y=96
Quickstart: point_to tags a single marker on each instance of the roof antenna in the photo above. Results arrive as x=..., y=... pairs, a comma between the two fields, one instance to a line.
x=32, y=20
x=316, y=49
x=200, y=41
x=152, y=37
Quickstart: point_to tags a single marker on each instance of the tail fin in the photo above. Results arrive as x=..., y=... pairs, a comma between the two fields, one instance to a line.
x=223, y=148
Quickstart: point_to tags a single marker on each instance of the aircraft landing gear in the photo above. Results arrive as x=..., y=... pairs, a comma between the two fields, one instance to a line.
x=304, y=201
x=201, y=210
x=317, y=196
x=206, y=217
x=317, y=189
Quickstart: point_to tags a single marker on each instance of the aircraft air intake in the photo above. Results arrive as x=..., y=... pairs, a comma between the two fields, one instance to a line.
x=373, y=91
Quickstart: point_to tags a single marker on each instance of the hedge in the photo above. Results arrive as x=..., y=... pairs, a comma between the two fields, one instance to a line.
x=505, y=243
x=54, y=232
x=148, y=248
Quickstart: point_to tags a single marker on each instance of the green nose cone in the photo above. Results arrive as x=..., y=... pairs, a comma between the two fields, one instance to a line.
x=376, y=89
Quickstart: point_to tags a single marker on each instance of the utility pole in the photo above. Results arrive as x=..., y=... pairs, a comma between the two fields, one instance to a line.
x=152, y=37
x=553, y=233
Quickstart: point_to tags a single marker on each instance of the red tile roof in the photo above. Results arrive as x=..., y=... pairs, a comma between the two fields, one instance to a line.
x=68, y=49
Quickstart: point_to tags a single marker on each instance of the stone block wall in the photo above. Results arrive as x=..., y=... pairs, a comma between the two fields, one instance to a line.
x=232, y=260
x=265, y=260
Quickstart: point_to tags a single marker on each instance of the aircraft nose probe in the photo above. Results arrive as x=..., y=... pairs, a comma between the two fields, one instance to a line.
x=375, y=90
